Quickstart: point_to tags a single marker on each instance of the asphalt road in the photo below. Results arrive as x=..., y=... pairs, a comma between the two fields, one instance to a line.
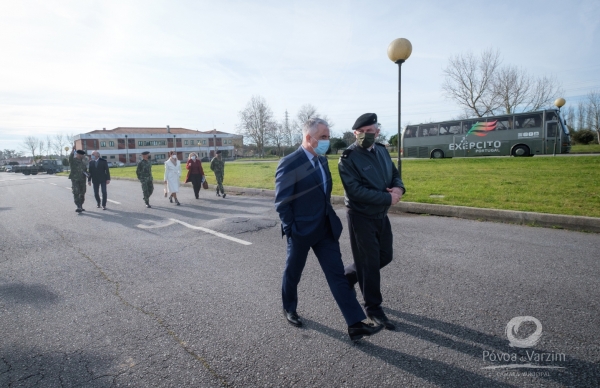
x=190, y=296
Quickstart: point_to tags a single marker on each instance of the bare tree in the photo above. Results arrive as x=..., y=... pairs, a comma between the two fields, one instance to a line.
x=348, y=137
x=32, y=144
x=544, y=91
x=276, y=136
x=256, y=121
x=306, y=112
x=581, y=115
x=512, y=85
x=569, y=117
x=469, y=81
x=594, y=112
x=59, y=144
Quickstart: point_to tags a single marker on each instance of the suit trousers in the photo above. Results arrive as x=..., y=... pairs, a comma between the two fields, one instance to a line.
x=97, y=186
x=327, y=250
x=196, y=183
x=371, y=241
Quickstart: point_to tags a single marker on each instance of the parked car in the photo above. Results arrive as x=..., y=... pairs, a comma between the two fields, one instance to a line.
x=205, y=159
x=8, y=168
x=116, y=164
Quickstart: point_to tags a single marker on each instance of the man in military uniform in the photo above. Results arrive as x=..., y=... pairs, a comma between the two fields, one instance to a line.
x=371, y=185
x=144, y=174
x=78, y=177
x=217, y=165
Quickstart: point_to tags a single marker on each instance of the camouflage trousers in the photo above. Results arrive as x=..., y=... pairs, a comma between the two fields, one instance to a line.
x=78, y=188
x=219, y=178
x=147, y=188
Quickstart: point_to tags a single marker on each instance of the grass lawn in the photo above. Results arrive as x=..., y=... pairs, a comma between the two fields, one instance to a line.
x=562, y=185
x=585, y=148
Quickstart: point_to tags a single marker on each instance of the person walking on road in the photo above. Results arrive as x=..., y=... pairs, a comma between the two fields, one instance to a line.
x=371, y=185
x=303, y=200
x=144, y=175
x=172, y=175
x=78, y=177
x=99, y=176
x=217, y=165
x=195, y=173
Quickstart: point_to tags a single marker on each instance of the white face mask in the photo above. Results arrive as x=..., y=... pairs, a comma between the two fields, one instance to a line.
x=193, y=158
x=173, y=157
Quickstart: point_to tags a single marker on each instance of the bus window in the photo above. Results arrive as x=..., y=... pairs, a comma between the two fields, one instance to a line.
x=449, y=128
x=551, y=130
x=503, y=123
x=429, y=130
x=551, y=116
x=533, y=120
x=411, y=131
x=466, y=126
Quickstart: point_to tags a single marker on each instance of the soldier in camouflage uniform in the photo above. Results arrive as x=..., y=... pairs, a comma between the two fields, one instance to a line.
x=217, y=165
x=78, y=177
x=144, y=174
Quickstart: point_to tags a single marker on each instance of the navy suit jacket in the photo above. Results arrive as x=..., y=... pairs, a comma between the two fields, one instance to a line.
x=302, y=203
x=99, y=174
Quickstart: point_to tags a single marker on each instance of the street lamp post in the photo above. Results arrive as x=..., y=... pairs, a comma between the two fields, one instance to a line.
x=199, y=142
x=398, y=52
x=559, y=104
x=126, y=151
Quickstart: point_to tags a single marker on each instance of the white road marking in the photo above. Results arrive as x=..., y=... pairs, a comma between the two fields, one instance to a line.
x=54, y=184
x=68, y=188
x=110, y=200
x=172, y=221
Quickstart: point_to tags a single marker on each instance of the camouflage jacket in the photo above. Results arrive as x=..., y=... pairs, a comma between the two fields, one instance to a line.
x=144, y=170
x=217, y=166
x=78, y=168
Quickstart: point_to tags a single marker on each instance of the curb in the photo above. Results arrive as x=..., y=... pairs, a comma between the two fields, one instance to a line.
x=580, y=223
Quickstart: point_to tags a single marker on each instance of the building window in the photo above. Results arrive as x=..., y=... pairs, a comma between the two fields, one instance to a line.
x=112, y=156
x=102, y=144
x=140, y=143
x=111, y=143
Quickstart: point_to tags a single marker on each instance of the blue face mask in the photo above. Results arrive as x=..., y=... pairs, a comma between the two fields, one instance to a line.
x=322, y=148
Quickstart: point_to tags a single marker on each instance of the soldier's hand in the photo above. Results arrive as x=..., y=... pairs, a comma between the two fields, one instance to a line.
x=396, y=190
x=395, y=197
x=107, y=182
x=89, y=183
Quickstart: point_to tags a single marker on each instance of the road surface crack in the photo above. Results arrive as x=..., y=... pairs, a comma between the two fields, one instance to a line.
x=222, y=380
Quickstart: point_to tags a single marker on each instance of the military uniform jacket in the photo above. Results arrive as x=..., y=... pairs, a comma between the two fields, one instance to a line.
x=144, y=170
x=366, y=175
x=78, y=168
x=217, y=166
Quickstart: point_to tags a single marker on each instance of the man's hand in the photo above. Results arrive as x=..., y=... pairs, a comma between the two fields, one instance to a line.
x=396, y=194
x=107, y=182
x=89, y=183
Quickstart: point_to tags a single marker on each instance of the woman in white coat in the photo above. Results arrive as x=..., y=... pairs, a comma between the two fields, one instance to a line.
x=172, y=174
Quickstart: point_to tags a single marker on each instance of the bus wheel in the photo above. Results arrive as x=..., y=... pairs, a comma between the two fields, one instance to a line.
x=437, y=154
x=521, y=150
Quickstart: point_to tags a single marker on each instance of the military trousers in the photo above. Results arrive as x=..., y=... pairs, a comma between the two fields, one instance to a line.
x=219, y=178
x=147, y=188
x=371, y=241
x=78, y=188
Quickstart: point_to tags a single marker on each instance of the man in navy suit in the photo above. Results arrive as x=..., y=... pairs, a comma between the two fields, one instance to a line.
x=99, y=176
x=303, y=200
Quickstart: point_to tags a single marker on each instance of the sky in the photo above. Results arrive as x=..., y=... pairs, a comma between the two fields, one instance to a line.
x=72, y=67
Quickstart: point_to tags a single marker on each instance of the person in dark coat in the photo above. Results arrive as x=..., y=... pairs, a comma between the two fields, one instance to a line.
x=303, y=200
x=195, y=173
x=99, y=176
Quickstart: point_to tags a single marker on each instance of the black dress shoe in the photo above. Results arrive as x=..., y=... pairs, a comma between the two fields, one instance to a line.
x=292, y=317
x=382, y=320
x=103, y=207
x=362, y=330
x=98, y=206
x=78, y=210
x=224, y=195
x=148, y=206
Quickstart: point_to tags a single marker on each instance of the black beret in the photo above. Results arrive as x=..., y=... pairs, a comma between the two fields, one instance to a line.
x=145, y=152
x=364, y=120
x=80, y=152
x=218, y=152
